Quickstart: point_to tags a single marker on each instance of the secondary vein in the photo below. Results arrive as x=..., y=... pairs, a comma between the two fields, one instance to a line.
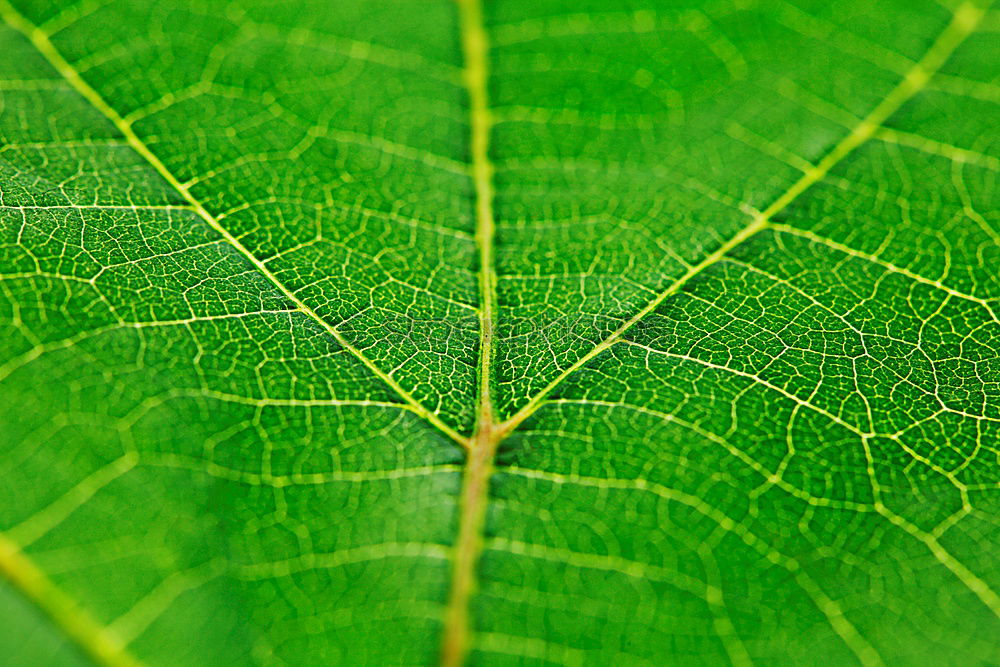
x=97, y=642
x=40, y=40
x=963, y=22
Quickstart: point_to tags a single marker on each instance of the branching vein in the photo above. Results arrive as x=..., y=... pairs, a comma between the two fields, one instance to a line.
x=963, y=22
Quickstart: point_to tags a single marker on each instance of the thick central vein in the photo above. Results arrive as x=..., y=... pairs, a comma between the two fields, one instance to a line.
x=489, y=434
x=483, y=445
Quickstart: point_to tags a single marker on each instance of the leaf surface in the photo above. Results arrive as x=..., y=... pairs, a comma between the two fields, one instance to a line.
x=524, y=333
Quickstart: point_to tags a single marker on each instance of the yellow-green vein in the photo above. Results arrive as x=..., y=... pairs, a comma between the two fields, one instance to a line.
x=963, y=22
x=96, y=641
x=479, y=466
x=41, y=42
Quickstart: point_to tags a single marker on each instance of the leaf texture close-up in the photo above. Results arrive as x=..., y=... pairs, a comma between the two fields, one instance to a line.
x=499, y=332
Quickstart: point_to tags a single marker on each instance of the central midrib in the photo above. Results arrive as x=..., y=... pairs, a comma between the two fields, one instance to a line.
x=489, y=433
x=483, y=444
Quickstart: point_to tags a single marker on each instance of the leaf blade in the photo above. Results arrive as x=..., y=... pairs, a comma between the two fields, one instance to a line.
x=794, y=419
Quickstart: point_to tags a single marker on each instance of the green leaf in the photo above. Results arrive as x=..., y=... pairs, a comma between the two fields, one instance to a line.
x=530, y=332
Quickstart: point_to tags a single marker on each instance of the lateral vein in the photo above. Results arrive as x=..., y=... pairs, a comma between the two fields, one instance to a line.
x=963, y=22
x=96, y=641
x=40, y=40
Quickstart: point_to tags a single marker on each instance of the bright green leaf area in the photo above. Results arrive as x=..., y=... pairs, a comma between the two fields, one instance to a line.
x=544, y=332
